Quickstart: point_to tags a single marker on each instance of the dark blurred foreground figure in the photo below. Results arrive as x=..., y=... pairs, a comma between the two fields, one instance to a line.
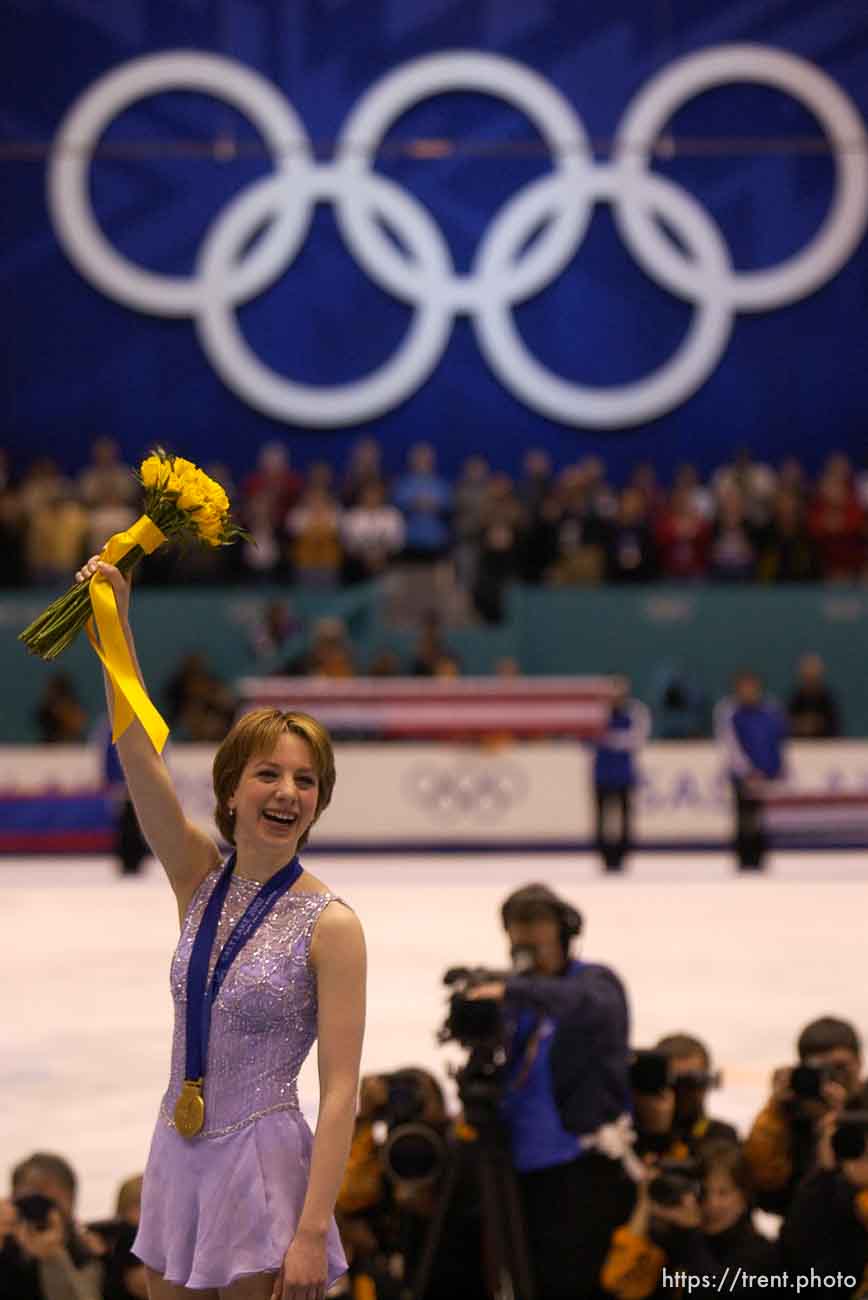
x=44, y=1253
x=791, y=1136
x=404, y=1149
x=826, y=1229
x=691, y=1233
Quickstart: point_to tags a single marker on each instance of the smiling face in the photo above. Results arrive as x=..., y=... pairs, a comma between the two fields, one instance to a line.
x=275, y=801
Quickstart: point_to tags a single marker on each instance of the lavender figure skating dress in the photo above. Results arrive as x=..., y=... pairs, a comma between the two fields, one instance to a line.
x=226, y=1203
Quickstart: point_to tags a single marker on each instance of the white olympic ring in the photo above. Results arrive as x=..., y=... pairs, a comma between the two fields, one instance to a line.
x=483, y=792
x=506, y=270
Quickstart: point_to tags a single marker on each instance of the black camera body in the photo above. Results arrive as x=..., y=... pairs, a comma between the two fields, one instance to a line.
x=650, y=1073
x=405, y=1101
x=806, y=1081
x=472, y=1022
x=34, y=1209
x=414, y=1151
x=674, y=1180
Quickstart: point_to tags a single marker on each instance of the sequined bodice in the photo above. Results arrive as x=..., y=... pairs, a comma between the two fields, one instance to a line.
x=263, y=1022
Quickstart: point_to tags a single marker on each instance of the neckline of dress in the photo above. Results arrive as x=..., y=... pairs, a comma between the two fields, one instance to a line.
x=291, y=893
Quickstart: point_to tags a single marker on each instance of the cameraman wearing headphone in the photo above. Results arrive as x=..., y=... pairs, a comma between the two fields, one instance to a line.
x=566, y=1089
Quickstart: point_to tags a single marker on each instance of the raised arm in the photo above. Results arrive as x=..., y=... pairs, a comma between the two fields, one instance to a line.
x=187, y=853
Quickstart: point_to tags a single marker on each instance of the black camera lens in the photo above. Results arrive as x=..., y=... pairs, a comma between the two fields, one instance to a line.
x=806, y=1082
x=34, y=1209
x=676, y=1179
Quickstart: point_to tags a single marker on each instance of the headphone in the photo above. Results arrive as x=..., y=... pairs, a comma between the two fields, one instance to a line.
x=537, y=895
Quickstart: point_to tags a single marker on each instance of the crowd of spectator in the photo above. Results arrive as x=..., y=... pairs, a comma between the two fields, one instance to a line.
x=333, y=526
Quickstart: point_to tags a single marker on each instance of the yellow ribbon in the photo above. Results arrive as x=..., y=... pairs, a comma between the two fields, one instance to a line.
x=130, y=698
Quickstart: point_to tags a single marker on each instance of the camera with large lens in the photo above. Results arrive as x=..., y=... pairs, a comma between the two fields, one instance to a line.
x=414, y=1151
x=674, y=1180
x=806, y=1081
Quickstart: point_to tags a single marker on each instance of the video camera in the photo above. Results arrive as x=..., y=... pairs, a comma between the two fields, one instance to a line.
x=472, y=1022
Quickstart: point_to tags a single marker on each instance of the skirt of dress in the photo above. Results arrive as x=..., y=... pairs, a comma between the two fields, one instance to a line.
x=216, y=1209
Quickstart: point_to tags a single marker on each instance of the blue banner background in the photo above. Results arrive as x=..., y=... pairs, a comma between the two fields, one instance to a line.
x=794, y=380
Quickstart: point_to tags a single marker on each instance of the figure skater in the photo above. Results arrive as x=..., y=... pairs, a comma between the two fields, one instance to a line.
x=238, y=1195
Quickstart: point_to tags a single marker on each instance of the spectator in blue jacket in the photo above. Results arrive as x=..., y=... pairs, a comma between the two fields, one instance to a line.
x=751, y=731
x=616, y=774
x=425, y=500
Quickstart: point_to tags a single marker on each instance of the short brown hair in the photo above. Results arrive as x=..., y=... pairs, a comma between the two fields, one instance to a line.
x=720, y=1155
x=676, y=1046
x=827, y=1034
x=48, y=1165
x=258, y=733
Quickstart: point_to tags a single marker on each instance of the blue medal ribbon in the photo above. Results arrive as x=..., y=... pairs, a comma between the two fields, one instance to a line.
x=200, y=994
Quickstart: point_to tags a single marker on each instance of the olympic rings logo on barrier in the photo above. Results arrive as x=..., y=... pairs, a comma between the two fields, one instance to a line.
x=482, y=792
x=505, y=272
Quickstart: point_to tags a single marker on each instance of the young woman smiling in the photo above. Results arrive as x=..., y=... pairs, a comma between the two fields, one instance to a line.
x=238, y=1195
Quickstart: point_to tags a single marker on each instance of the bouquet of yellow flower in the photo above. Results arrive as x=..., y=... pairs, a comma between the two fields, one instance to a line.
x=181, y=504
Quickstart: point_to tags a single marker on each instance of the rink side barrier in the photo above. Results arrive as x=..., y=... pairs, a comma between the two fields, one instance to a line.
x=702, y=632
x=453, y=798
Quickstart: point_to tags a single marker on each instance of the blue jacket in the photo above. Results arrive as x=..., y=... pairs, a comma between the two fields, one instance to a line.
x=567, y=1066
x=616, y=750
x=752, y=737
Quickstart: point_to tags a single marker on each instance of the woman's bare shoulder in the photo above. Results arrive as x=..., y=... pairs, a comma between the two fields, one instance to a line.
x=310, y=884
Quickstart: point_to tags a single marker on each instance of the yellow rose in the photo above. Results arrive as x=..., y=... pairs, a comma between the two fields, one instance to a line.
x=184, y=468
x=173, y=483
x=190, y=497
x=215, y=494
x=152, y=471
x=208, y=519
x=210, y=527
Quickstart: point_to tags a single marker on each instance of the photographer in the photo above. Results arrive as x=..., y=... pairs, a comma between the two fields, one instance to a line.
x=653, y=1106
x=403, y=1150
x=44, y=1254
x=691, y=1077
x=695, y=1220
x=791, y=1136
x=565, y=1088
x=826, y=1228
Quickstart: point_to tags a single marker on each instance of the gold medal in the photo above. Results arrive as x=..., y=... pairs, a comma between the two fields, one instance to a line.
x=190, y=1109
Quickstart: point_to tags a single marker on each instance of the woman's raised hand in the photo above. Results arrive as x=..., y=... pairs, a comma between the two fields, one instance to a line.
x=120, y=585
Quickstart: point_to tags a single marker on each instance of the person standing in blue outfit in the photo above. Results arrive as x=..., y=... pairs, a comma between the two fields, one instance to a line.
x=616, y=774
x=751, y=731
x=425, y=501
x=566, y=1092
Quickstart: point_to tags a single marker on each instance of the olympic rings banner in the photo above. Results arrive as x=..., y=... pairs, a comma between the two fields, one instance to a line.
x=595, y=231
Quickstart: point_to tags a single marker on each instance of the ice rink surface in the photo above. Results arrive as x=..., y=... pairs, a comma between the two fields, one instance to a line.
x=743, y=961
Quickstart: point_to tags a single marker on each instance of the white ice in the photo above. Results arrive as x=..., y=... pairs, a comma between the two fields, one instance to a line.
x=743, y=961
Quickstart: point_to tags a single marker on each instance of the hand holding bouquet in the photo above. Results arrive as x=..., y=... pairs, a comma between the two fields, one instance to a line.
x=181, y=504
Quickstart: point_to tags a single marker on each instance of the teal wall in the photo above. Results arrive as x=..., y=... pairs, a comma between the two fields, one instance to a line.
x=707, y=632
